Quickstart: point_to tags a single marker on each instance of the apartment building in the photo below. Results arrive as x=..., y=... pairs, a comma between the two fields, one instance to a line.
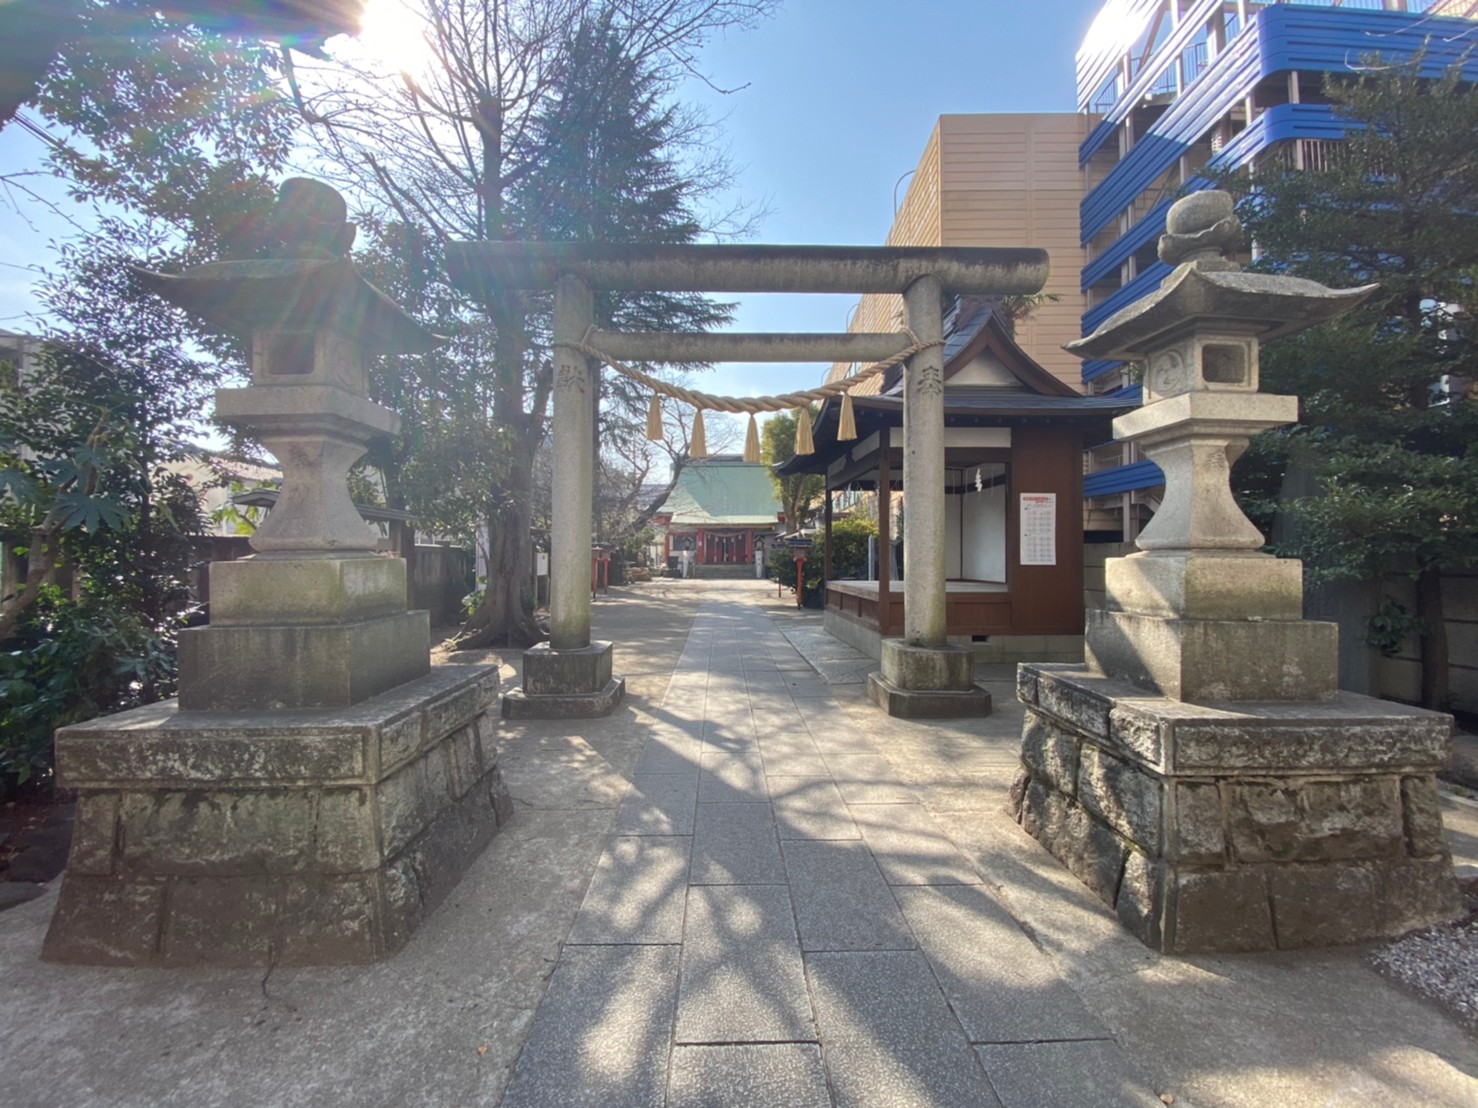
x=1174, y=88
x=18, y=354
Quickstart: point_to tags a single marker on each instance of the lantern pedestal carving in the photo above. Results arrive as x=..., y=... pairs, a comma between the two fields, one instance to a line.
x=308, y=837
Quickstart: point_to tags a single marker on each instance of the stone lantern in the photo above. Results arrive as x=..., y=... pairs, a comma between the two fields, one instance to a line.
x=1199, y=612
x=1203, y=773
x=318, y=787
x=315, y=618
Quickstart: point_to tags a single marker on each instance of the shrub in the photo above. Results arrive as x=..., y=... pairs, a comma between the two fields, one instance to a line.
x=69, y=663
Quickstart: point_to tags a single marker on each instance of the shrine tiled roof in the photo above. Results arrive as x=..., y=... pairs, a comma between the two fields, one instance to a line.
x=722, y=490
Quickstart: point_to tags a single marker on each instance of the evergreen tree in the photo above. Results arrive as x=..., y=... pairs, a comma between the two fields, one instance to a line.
x=1396, y=204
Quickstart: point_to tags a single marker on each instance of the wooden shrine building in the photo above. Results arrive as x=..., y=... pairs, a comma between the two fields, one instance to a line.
x=722, y=509
x=1014, y=441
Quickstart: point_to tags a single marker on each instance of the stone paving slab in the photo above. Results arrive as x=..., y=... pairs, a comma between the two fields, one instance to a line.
x=601, y=1036
x=889, y=1037
x=742, y=976
x=670, y=754
x=810, y=808
x=1048, y=1075
x=736, y=844
x=833, y=736
x=792, y=761
x=658, y=804
x=841, y=900
x=1001, y=987
x=637, y=894
x=783, y=726
x=868, y=779
x=909, y=848
x=788, y=1074
x=731, y=778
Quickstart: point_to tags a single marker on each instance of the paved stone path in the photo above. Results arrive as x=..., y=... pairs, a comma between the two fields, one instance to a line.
x=777, y=920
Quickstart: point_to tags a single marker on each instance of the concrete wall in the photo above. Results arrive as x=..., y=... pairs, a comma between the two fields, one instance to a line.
x=1399, y=678
x=441, y=576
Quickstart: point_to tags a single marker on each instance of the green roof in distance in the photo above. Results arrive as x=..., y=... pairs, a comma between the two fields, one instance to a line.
x=723, y=490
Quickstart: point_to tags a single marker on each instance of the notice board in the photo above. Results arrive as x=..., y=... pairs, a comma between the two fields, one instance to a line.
x=1038, y=529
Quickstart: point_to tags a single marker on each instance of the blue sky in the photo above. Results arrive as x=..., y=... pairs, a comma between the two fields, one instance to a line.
x=838, y=99
x=841, y=97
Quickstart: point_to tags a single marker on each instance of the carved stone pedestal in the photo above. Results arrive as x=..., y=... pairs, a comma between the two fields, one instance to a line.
x=307, y=837
x=303, y=632
x=1237, y=826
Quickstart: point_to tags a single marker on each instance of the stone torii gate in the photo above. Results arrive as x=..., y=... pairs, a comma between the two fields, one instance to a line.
x=571, y=676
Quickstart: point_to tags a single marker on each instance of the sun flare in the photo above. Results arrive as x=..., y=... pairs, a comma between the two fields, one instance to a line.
x=393, y=34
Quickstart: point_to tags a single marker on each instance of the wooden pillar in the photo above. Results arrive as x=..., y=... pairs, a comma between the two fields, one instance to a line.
x=698, y=545
x=826, y=516
x=885, y=538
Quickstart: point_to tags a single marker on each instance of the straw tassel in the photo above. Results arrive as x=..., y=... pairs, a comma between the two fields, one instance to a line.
x=752, y=441
x=698, y=446
x=654, y=419
x=847, y=425
x=804, y=443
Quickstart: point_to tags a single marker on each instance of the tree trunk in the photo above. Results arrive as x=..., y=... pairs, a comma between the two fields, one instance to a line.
x=1436, y=693
x=41, y=565
x=505, y=617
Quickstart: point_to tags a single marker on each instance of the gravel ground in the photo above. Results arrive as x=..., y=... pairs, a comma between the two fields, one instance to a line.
x=1440, y=963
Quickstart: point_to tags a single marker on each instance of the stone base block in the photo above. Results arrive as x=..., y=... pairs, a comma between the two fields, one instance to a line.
x=519, y=704
x=1218, y=586
x=927, y=703
x=309, y=837
x=261, y=591
x=254, y=668
x=1210, y=660
x=1237, y=827
x=551, y=672
x=931, y=668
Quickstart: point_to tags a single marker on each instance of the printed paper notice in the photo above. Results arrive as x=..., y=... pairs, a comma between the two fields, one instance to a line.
x=1039, y=528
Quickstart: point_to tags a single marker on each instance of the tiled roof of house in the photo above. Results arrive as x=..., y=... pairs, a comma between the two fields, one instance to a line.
x=723, y=490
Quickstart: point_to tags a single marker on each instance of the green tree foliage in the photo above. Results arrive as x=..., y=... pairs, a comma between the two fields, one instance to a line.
x=1396, y=205
x=162, y=119
x=849, y=537
x=103, y=523
x=171, y=134
x=104, y=531
x=44, y=36
x=777, y=445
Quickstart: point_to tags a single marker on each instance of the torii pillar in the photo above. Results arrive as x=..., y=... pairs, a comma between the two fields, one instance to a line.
x=570, y=677
x=923, y=676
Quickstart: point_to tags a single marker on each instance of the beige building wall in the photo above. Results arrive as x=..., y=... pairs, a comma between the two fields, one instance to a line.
x=999, y=180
